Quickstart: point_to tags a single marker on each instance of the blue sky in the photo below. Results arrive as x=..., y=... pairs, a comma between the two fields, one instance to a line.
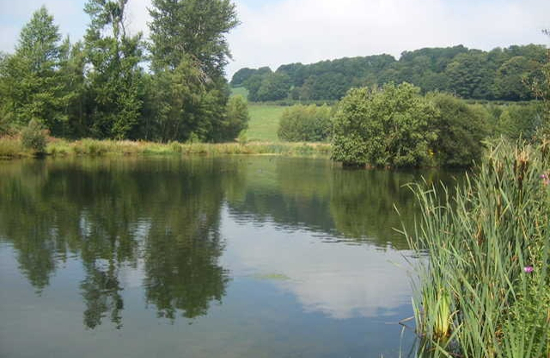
x=274, y=32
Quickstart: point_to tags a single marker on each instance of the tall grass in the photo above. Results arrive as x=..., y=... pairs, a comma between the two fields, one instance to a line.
x=12, y=147
x=484, y=285
x=90, y=147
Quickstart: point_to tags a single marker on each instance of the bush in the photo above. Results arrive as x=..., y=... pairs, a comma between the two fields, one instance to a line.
x=460, y=128
x=391, y=126
x=237, y=118
x=519, y=121
x=305, y=124
x=34, y=137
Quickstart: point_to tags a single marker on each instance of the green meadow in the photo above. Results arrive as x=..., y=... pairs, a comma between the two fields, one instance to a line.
x=264, y=122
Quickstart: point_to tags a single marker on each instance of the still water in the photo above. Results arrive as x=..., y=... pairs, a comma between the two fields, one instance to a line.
x=202, y=257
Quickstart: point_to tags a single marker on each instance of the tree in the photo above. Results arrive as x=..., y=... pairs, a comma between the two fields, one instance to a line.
x=183, y=105
x=391, y=126
x=460, y=128
x=541, y=89
x=195, y=28
x=513, y=78
x=273, y=87
x=254, y=82
x=31, y=84
x=241, y=76
x=189, y=52
x=237, y=117
x=73, y=75
x=114, y=75
x=469, y=75
x=519, y=121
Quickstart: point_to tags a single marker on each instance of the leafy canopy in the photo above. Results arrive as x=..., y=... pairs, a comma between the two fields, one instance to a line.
x=392, y=126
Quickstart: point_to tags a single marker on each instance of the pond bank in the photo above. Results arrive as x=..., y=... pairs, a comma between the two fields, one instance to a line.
x=11, y=147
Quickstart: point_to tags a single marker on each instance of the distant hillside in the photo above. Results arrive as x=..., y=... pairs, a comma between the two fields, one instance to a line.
x=500, y=74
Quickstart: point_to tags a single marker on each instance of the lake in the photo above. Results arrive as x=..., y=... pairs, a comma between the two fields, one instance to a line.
x=204, y=257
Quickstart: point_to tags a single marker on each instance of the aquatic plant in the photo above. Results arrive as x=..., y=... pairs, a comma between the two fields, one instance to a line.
x=484, y=288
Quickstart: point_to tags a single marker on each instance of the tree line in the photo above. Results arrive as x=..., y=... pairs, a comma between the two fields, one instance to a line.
x=113, y=84
x=500, y=74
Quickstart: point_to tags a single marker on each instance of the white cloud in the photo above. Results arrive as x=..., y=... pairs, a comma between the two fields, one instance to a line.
x=138, y=16
x=341, y=281
x=313, y=30
x=68, y=15
x=283, y=31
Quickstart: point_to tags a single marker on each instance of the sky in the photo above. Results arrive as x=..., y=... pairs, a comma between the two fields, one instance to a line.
x=276, y=32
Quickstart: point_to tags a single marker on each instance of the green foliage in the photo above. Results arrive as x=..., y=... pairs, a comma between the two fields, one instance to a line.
x=31, y=84
x=253, y=82
x=504, y=74
x=11, y=147
x=34, y=137
x=305, y=124
x=114, y=75
x=194, y=28
x=180, y=103
x=461, y=128
x=237, y=118
x=469, y=75
x=189, y=52
x=274, y=86
x=513, y=79
x=518, y=121
x=483, y=241
x=541, y=88
x=387, y=127
x=241, y=76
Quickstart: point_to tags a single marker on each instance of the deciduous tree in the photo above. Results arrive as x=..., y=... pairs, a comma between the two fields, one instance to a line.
x=115, y=77
x=392, y=126
x=31, y=83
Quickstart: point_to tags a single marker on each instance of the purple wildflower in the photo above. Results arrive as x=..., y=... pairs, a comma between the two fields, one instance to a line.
x=528, y=269
x=544, y=176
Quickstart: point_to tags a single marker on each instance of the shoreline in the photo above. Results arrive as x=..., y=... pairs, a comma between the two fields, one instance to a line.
x=12, y=148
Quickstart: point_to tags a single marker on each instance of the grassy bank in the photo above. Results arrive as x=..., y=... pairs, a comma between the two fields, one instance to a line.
x=484, y=289
x=11, y=147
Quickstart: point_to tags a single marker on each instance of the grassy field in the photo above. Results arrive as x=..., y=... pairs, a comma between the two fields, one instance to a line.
x=264, y=119
x=264, y=122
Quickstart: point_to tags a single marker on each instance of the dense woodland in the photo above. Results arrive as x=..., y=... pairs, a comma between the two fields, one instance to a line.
x=99, y=88
x=500, y=74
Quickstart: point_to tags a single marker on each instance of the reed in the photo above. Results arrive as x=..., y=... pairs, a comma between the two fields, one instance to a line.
x=90, y=147
x=484, y=287
x=12, y=147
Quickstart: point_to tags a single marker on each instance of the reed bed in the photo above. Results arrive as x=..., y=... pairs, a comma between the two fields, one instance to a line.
x=12, y=147
x=484, y=287
x=90, y=147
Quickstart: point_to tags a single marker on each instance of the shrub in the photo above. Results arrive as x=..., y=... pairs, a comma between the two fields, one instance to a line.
x=461, y=129
x=237, y=118
x=34, y=137
x=305, y=124
x=391, y=126
x=519, y=121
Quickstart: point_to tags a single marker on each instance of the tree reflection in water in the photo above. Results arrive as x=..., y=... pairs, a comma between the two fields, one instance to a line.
x=91, y=209
x=160, y=219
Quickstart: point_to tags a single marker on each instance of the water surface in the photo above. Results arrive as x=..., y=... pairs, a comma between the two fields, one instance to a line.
x=203, y=257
